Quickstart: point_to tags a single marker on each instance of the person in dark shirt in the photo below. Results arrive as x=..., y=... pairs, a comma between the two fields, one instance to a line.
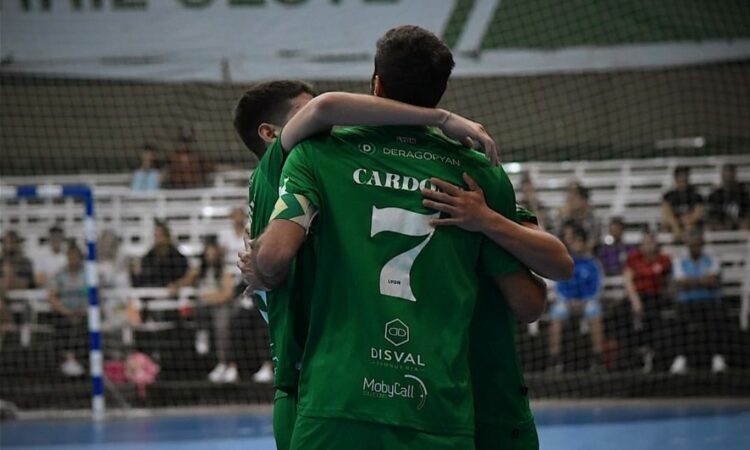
x=578, y=210
x=682, y=207
x=614, y=252
x=729, y=204
x=163, y=264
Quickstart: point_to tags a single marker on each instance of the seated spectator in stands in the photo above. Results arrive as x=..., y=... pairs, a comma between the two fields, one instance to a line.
x=647, y=274
x=529, y=200
x=579, y=295
x=50, y=258
x=163, y=264
x=578, y=210
x=729, y=204
x=147, y=177
x=113, y=267
x=702, y=326
x=68, y=297
x=186, y=168
x=614, y=252
x=15, y=268
x=215, y=285
x=682, y=207
x=232, y=238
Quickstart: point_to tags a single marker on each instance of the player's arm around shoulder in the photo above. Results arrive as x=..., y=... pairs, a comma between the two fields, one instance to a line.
x=540, y=251
x=472, y=210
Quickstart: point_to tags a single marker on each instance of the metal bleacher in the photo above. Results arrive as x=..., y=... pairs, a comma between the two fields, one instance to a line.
x=629, y=188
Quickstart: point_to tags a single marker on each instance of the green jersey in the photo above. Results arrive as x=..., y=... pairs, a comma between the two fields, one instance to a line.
x=393, y=297
x=500, y=393
x=284, y=308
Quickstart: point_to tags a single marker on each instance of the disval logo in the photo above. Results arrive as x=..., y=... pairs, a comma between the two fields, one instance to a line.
x=396, y=332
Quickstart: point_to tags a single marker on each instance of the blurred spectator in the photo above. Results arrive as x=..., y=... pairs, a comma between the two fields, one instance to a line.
x=163, y=264
x=215, y=286
x=699, y=308
x=682, y=207
x=231, y=239
x=579, y=295
x=113, y=268
x=729, y=204
x=647, y=274
x=578, y=210
x=50, y=258
x=614, y=252
x=15, y=268
x=68, y=297
x=529, y=200
x=186, y=168
x=146, y=178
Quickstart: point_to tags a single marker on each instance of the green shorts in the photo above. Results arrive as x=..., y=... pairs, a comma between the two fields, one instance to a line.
x=284, y=416
x=312, y=433
x=493, y=436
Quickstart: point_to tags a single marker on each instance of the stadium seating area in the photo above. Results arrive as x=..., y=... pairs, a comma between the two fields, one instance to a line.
x=631, y=189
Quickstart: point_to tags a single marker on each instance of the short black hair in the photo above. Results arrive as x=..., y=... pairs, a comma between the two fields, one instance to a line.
x=413, y=65
x=681, y=170
x=265, y=102
x=580, y=233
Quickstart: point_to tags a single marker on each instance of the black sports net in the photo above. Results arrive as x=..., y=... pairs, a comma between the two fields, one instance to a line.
x=594, y=105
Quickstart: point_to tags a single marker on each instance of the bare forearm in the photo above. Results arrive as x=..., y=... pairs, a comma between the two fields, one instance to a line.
x=341, y=108
x=536, y=249
x=525, y=293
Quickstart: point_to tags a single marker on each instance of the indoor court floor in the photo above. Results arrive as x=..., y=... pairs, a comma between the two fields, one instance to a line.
x=629, y=425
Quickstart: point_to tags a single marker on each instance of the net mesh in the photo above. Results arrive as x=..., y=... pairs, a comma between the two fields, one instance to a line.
x=618, y=131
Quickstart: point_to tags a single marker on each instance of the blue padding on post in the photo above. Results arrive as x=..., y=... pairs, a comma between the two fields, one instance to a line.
x=93, y=296
x=97, y=384
x=95, y=340
x=91, y=251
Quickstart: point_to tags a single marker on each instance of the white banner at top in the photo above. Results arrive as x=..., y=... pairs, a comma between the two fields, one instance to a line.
x=244, y=40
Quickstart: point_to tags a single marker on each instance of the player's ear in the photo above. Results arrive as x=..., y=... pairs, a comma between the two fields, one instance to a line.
x=267, y=132
x=377, y=87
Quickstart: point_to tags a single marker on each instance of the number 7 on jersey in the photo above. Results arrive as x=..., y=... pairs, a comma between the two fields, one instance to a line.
x=395, y=278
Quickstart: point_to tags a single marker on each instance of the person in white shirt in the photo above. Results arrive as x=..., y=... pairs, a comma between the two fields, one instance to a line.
x=51, y=258
x=231, y=239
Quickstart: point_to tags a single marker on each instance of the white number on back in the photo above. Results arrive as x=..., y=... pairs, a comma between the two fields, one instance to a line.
x=395, y=278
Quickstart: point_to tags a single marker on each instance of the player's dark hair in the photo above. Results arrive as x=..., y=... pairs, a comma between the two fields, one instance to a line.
x=413, y=65
x=267, y=102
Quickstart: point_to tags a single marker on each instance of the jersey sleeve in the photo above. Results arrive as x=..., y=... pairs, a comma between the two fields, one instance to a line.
x=264, y=187
x=525, y=215
x=499, y=194
x=299, y=192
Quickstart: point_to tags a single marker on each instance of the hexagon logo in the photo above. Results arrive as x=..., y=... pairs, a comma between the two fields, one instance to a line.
x=396, y=332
